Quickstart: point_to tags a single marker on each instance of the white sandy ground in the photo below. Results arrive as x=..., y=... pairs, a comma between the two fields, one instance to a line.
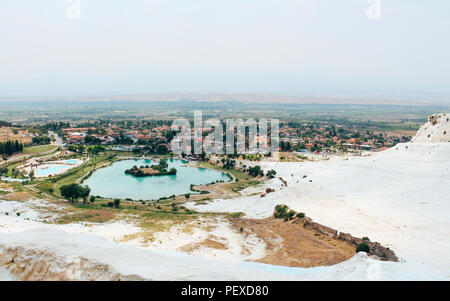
x=238, y=246
x=399, y=197
x=67, y=253
x=6, y=275
x=36, y=213
x=78, y=248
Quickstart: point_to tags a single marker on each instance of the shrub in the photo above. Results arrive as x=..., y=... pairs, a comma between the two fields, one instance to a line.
x=300, y=215
x=365, y=238
x=236, y=214
x=362, y=247
x=117, y=203
x=271, y=173
x=110, y=204
x=290, y=214
x=282, y=211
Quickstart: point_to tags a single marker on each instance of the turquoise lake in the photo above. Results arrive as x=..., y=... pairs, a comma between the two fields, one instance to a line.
x=112, y=182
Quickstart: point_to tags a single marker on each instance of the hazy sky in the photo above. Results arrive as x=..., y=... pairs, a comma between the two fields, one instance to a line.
x=317, y=47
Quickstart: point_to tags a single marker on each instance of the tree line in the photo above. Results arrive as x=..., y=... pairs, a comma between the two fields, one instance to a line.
x=10, y=147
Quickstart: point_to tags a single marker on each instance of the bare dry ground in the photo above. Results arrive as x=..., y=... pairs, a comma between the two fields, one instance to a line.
x=20, y=196
x=289, y=244
x=7, y=133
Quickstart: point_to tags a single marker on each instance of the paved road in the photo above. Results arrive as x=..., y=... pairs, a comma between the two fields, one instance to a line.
x=56, y=139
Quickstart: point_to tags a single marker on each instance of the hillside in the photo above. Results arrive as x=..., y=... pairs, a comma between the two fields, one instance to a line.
x=437, y=129
x=399, y=197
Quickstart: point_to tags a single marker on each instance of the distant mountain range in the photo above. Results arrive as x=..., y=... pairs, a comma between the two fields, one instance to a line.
x=385, y=97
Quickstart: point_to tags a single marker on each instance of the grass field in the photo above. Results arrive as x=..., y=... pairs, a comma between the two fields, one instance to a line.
x=38, y=149
x=12, y=167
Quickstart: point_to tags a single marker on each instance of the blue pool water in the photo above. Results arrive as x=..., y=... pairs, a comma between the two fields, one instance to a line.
x=112, y=182
x=51, y=169
x=73, y=161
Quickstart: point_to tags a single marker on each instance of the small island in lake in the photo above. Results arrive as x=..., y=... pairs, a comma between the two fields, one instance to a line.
x=153, y=170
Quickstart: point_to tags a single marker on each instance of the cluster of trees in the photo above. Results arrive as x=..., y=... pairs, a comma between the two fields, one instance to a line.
x=10, y=147
x=5, y=123
x=271, y=173
x=160, y=149
x=95, y=149
x=163, y=163
x=116, y=203
x=283, y=211
x=228, y=163
x=41, y=140
x=77, y=148
x=3, y=170
x=255, y=171
x=285, y=146
x=73, y=192
x=91, y=140
x=161, y=169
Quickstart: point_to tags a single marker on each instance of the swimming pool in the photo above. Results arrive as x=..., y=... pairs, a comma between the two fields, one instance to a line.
x=72, y=161
x=51, y=169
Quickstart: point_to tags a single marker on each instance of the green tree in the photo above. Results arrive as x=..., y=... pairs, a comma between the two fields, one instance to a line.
x=363, y=247
x=271, y=173
x=117, y=203
x=31, y=175
x=162, y=149
x=255, y=171
x=3, y=170
x=74, y=191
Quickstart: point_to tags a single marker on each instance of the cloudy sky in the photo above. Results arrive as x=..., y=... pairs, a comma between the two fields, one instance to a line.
x=314, y=47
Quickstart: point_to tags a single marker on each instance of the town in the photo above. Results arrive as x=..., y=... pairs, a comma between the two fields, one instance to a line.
x=155, y=136
x=294, y=137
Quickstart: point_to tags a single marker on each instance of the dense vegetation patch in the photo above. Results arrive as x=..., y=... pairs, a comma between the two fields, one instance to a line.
x=362, y=247
x=10, y=147
x=152, y=170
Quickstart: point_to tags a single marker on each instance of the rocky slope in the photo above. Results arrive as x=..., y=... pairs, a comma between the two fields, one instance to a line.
x=437, y=129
